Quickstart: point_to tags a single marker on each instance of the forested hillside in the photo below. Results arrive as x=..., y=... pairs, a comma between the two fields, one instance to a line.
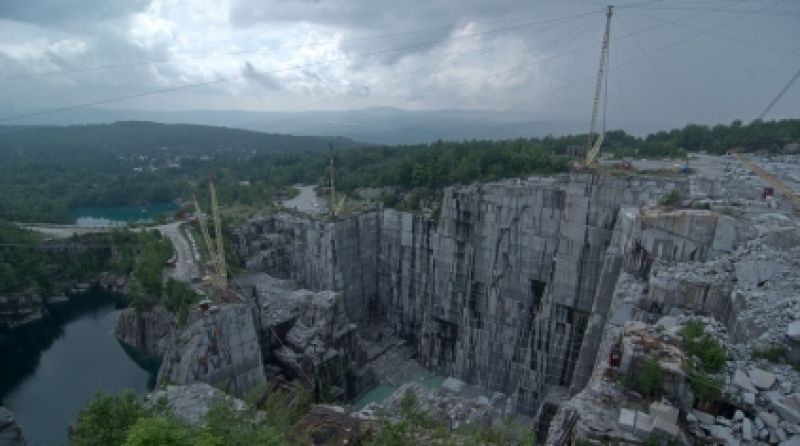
x=74, y=143
x=48, y=170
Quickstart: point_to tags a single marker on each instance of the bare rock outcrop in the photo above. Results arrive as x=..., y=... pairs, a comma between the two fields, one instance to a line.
x=20, y=309
x=190, y=403
x=219, y=346
x=10, y=432
x=308, y=334
x=148, y=331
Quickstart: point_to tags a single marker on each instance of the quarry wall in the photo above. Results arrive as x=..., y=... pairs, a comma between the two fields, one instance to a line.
x=499, y=292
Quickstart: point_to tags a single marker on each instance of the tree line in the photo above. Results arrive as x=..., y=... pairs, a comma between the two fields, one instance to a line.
x=43, y=177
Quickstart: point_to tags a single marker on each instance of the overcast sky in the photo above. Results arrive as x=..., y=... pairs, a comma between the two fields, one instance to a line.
x=672, y=61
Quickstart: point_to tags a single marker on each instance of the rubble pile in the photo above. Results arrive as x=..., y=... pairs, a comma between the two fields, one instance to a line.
x=190, y=403
x=10, y=432
x=308, y=334
x=747, y=296
x=449, y=405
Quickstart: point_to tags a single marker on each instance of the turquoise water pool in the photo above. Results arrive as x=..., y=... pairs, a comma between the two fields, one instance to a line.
x=96, y=216
x=382, y=391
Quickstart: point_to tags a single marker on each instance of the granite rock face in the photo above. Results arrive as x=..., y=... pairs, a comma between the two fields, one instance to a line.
x=307, y=333
x=191, y=402
x=500, y=291
x=318, y=255
x=219, y=346
x=20, y=309
x=10, y=432
x=148, y=331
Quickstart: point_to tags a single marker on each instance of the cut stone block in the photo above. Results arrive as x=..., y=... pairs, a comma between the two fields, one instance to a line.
x=664, y=411
x=793, y=331
x=770, y=419
x=665, y=428
x=724, y=434
x=761, y=378
x=741, y=380
x=627, y=419
x=747, y=430
x=704, y=417
x=788, y=408
x=644, y=425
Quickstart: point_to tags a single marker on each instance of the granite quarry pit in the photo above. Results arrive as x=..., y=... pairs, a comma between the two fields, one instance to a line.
x=533, y=297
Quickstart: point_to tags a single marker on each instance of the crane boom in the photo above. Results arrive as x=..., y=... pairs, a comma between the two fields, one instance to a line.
x=222, y=270
x=332, y=204
x=204, y=229
x=593, y=147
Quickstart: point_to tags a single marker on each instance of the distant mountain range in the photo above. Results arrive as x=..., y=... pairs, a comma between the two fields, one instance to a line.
x=89, y=143
x=372, y=125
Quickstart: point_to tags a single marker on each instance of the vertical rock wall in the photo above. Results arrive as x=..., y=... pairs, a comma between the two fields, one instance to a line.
x=318, y=255
x=219, y=346
x=498, y=292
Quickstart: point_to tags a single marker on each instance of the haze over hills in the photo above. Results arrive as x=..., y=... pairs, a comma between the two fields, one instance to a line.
x=65, y=143
x=379, y=125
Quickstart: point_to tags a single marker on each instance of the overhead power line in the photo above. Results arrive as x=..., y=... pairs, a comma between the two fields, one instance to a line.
x=614, y=67
x=269, y=50
x=722, y=36
x=663, y=77
x=575, y=35
x=780, y=95
x=455, y=58
x=679, y=8
x=297, y=67
x=762, y=80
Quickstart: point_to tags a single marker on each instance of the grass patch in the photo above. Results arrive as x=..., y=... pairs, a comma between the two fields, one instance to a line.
x=699, y=344
x=416, y=427
x=711, y=358
x=671, y=199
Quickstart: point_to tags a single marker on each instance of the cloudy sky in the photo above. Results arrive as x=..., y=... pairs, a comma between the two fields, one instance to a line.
x=672, y=61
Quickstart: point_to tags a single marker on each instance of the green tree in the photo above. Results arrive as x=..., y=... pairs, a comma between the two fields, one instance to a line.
x=161, y=431
x=106, y=419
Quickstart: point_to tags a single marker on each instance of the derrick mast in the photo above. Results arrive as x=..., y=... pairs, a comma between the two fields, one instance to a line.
x=595, y=139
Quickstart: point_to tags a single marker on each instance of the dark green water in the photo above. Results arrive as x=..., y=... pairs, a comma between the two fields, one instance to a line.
x=124, y=213
x=50, y=370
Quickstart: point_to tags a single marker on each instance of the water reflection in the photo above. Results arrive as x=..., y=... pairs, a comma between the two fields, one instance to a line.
x=50, y=369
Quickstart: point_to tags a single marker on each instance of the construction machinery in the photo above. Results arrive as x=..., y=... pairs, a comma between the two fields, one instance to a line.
x=218, y=279
x=774, y=182
x=595, y=139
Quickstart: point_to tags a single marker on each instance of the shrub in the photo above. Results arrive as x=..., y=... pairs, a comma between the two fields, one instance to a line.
x=698, y=343
x=705, y=387
x=670, y=199
x=650, y=380
x=227, y=427
x=774, y=353
x=162, y=431
x=107, y=419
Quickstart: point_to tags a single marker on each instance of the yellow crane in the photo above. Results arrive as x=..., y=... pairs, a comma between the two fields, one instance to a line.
x=593, y=145
x=216, y=248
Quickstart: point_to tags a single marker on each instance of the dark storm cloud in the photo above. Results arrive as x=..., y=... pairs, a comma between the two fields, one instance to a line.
x=405, y=27
x=366, y=14
x=514, y=56
x=54, y=12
